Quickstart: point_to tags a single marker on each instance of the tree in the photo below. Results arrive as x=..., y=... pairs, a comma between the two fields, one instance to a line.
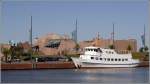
x=129, y=48
x=6, y=52
x=77, y=47
x=19, y=50
x=141, y=49
x=145, y=48
x=111, y=46
x=12, y=52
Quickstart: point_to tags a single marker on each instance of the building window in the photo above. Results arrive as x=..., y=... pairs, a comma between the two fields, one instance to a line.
x=112, y=59
x=108, y=59
x=119, y=59
x=115, y=59
x=92, y=57
x=105, y=59
x=122, y=59
x=100, y=58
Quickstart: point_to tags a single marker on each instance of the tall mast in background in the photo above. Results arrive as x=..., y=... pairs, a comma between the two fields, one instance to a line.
x=113, y=36
x=31, y=33
x=144, y=37
x=76, y=35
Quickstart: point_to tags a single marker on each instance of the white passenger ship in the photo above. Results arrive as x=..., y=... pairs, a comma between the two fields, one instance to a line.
x=99, y=57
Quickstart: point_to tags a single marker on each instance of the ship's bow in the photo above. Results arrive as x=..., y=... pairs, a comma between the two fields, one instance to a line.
x=76, y=61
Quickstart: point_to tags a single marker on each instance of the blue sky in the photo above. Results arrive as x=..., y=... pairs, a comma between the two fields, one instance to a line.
x=59, y=17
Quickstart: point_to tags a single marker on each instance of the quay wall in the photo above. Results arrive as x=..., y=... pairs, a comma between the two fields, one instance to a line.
x=42, y=65
x=49, y=65
x=144, y=64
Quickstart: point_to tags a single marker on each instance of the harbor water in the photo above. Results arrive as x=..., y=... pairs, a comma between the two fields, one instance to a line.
x=103, y=75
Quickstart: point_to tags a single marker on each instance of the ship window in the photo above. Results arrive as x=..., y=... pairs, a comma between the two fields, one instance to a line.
x=100, y=58
x=96, y=58
x=115, y=59
x=99, y=50
x=92, y=57
x=108, y=59
x=95, y=50
x=112, y=59
x=119, y=59
x=105, y=59
x=126, y=59
x=122, y=59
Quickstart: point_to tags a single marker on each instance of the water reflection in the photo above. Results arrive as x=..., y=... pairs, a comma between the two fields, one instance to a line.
x=116, y=75
x=106, y=75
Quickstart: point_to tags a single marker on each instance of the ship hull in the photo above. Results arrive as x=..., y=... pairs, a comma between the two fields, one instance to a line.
x=79, y=64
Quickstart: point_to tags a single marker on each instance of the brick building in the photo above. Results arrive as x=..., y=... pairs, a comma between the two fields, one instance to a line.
x=54, y=44
x=120, y=45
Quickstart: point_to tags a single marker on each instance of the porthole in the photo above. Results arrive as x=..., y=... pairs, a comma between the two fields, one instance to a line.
x=100, y=58
x=92, y=57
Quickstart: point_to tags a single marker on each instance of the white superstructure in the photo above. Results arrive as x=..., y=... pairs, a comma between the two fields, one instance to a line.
x=99, y=57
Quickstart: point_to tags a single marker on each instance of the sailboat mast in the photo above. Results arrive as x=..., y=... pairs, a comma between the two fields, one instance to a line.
x=76, y=31
x=113, y=35
x=144, y=35
x=31, y=32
